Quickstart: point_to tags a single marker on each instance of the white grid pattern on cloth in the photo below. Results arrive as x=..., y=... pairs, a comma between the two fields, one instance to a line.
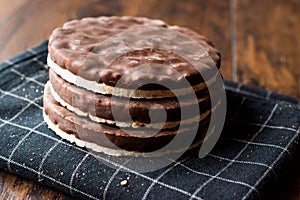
x=154, y=181
x=21, y=98
x=10, y=63
x=160, y=176
x=275, y=161
x=33, y=79
x=40, y=172
x=31, y=130
x=21, y=85
x=267, y=126
x=19, y=143
x=99, y=157
x=31, y=102
x=33, y=52
x=48, y=177
x=120, y=166
x=218, y=178
x=112, y=177
x=22, y=110
x=143, y=176
x=28, y=78
x=261, y=144
x=227, y=180
x=38, y=61
x=75, y=170
x=243, y=162
x=238, y=155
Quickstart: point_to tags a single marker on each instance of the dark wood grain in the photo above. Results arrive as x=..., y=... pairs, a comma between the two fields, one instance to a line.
x=268, y=44
x=13, y=187
x=34, y=21
x=267, y=48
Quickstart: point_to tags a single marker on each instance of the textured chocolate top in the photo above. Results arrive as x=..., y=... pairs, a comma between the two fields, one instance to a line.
x=78, y=47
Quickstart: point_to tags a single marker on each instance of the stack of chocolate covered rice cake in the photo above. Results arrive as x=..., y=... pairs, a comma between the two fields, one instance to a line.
x=83, y=102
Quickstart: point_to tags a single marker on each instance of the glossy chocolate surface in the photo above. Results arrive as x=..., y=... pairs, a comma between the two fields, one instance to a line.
x=75, y=47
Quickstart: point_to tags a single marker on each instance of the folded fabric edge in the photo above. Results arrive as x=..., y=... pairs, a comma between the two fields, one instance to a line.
x=25, y=55
x=231, y=86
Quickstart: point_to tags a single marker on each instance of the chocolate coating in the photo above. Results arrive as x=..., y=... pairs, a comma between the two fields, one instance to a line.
x=75, y=47
x=133, y=140
x=100, y=105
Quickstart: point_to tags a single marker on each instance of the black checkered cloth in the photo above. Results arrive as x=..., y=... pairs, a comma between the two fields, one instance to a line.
x=259, y=139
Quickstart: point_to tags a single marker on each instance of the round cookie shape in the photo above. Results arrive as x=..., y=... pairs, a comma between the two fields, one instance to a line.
x=74, y=51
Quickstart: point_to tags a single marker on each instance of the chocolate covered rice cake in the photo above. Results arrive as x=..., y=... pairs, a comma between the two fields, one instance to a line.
x=84, y=103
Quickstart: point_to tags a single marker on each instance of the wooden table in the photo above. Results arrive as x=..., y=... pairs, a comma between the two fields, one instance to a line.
x=259, y=41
